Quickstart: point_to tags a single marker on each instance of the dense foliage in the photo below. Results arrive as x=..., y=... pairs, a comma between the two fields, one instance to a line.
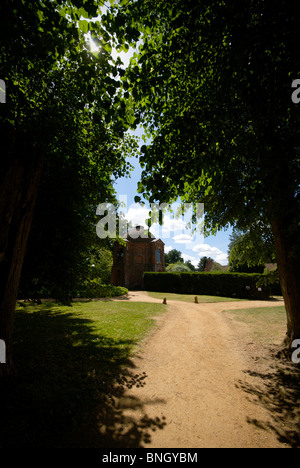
x=173, y=257
x=249, y=251
x=63, y=143
x=67, y=102
x=212, y=84
x=95, y=289
x=178, y=267
x=235, y=285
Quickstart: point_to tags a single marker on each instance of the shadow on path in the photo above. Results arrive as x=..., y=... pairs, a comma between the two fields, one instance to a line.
x=278, y=391
x=68, y=385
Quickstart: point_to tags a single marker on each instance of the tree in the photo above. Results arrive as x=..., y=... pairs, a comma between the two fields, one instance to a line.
x=249, y=251
x=100, y=264
x=178, y=268
x=63, y=123
x=189, y=264
x=212, y=85
x=216, y=267
x=174, y=256
x=203, y=262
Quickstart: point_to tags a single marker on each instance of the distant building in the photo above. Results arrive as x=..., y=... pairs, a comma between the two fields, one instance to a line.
x=141, y=253
x=209, y=265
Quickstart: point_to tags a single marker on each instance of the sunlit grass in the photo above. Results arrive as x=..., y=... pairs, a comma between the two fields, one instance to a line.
x=266, y=324
x=128, y=322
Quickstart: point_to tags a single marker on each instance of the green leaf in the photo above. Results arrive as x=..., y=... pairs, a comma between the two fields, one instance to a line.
x=83, y=26
x=108, y=48
x=83, y=12
x=140, y=187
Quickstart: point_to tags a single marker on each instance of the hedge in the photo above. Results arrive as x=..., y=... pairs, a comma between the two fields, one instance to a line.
x=235, y=285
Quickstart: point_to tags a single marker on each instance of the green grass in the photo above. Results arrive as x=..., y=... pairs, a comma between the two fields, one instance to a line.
x=71, y=365
x=266, y=324
x=190, y=297
x=124, y=323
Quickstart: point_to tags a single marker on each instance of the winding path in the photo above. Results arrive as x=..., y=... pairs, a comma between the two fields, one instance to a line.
x=194, y=365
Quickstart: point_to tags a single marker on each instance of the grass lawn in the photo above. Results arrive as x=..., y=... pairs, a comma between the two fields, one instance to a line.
x=191, y=297
x=266, y=324
x=71, y=363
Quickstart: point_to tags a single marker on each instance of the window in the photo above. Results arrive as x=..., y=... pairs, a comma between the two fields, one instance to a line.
x=158, y=256
x=120, y=255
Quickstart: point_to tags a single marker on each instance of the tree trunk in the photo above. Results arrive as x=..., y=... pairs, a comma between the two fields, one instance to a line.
x=288, y=260
x=18, y=191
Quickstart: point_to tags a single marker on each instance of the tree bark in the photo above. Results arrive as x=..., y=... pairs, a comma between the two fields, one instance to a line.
x=288, y=260
x=18, y=192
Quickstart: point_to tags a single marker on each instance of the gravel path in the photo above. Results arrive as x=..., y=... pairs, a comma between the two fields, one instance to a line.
x=194, y=365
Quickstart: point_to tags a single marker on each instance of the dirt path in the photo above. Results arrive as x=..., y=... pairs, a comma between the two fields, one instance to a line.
x=194, y=365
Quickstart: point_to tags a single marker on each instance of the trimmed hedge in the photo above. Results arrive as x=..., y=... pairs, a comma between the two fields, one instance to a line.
x=235, y=285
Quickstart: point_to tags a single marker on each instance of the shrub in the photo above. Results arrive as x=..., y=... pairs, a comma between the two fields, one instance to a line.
x=94, y=289
x=178, y=268
x=235, y=285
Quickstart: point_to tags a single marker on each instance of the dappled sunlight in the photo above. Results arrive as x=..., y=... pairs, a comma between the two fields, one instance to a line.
x=278, y=391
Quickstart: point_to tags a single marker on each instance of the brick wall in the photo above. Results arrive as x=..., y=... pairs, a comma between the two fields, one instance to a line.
x=133, y=259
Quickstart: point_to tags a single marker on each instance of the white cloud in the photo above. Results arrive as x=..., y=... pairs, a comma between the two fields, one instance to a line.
x=205, y=250
x=188, y=257
x=194, y=261
x=183, y=239
x=137, y=215
x=173, y=225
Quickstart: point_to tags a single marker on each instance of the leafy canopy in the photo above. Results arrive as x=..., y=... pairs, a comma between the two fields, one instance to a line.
x=211, y=83
x=67, y=103
x=173, y=257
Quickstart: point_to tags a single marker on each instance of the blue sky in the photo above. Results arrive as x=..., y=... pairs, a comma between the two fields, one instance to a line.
x=177, y=237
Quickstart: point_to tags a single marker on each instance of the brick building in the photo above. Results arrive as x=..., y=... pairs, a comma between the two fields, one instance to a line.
x=141, y=252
